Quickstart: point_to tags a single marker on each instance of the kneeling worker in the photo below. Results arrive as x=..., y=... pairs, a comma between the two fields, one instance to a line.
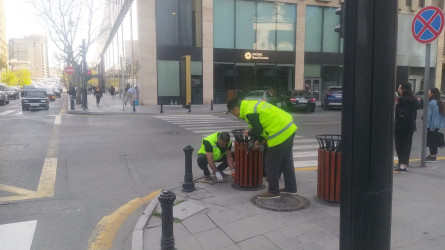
x=216, y=147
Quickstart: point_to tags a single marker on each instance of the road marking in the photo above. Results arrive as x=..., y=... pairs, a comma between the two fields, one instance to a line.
x=48, y=178
x=321, y=123
x=103, y=234
x=7, y=112
x=58, y=120
x=19, y=113
x=20, y=104
x=300, y=164
x=309, y=146
x=17, y=236
x=305, y=154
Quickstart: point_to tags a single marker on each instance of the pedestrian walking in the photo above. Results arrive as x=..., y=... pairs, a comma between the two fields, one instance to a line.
x=98, y=94
x=435, y=121
x=112, y=90
x=272, y=125
x=405, y=124
x=216, y=147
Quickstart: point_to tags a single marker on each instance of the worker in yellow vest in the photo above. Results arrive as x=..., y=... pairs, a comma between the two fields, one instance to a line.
x=277, y=128
x=216, y=147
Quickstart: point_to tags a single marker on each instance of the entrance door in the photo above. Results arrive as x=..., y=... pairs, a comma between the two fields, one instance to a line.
x=313, y=85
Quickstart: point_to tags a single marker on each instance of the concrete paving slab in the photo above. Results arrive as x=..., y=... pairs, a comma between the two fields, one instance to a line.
x=329, y=244
x=187, y=209
x=257, y=243
x=213, y=239
x=250, y=227
x=198, y=223
x=187, y=242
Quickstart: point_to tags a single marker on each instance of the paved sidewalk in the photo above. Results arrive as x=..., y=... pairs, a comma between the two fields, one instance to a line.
x=230, y=221
x=114, y=105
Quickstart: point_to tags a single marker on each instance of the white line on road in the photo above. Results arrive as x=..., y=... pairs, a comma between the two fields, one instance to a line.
x=321, y=123
x=305, y=141
x=19, y=113
x=308, y=146
x=305, y=154
x=58, y=120
x=17, y=236
x=7, y=112
x=14, y=106
x=303, y=164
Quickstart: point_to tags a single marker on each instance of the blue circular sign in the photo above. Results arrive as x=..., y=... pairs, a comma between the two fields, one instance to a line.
x=428, y=24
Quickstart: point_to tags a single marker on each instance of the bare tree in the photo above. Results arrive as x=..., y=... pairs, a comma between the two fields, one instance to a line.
x=70, y=21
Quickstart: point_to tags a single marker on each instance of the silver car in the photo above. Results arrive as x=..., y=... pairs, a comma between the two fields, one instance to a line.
x=4, y=99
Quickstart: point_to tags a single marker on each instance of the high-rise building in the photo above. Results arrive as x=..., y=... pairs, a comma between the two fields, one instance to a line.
x=3, y=44
x=33, y=49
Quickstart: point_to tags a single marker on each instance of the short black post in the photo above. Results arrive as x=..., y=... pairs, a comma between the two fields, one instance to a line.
x=134, y=105
x=188, y=185
x=162, y=111
x=166, y=199
x=190, y=107
x=211, y=105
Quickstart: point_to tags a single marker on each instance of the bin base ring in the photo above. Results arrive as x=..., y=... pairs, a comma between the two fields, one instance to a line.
x=238, y=187
x=325, y=202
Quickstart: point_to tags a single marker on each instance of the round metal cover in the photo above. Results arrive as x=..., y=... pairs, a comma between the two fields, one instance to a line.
x=286, y=203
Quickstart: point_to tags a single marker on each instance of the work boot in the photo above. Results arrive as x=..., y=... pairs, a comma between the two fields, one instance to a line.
x=285, y=191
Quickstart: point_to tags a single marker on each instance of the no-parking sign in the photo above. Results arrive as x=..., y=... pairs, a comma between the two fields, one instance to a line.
x=428, y=24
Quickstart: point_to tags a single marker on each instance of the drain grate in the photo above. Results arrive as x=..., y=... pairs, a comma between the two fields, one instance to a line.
x=286, y=203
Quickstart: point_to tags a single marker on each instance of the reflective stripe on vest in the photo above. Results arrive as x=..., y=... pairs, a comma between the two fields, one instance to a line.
x=281, y=131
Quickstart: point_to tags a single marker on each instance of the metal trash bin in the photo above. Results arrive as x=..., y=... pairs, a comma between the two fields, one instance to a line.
x=248, y=164
x=329, y=168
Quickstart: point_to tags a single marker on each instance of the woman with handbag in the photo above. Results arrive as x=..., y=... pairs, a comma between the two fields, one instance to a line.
x=405, y=124
x=436, y=121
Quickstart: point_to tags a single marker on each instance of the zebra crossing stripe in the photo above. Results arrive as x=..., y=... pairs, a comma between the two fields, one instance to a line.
x=303, y=164
x=305, y=154
x=6, y=112
x=306, y=146
x=17, y=236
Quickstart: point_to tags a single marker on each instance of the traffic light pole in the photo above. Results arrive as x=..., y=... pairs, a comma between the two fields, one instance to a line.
x=370, y=34
x=84, y=77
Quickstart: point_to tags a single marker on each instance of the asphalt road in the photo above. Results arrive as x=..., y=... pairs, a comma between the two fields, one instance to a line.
x=79, y=181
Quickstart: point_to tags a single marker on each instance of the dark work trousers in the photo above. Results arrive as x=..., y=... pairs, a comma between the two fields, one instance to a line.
x=279, y=159
x=403, y=141
x=432, y=141
x=203, y=164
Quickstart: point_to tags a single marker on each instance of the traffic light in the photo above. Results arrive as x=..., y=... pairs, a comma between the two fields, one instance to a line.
x=82, y=51
x=89, y=76
x=340, y=28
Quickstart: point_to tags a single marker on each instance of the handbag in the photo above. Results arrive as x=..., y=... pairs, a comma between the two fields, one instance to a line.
x=440, y=140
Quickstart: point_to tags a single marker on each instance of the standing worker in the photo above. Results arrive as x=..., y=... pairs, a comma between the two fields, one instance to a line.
x=98, y=94
x=131, y=93
x=216, y=147
x=278, y=129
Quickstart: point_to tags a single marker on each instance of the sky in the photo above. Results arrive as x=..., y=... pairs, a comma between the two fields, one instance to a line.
x=21, y=21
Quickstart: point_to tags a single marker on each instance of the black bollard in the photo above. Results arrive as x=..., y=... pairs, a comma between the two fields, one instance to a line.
x=166, y=199
x=190, y=107
x=188, y=185
x=134, y=106
x=211, y=105
x=162, y=111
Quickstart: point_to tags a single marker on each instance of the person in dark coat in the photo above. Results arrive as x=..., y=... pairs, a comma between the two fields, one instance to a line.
x=98, y=94
x=112, y=90
x=405, y=124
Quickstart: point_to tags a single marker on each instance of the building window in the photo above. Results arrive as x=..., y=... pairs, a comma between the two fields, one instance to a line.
x=177, y=23
x=242, y=24
x=320, y=34
x=168, y=78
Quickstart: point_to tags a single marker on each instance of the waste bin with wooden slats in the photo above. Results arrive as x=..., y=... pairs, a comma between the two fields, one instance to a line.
x=329, y=168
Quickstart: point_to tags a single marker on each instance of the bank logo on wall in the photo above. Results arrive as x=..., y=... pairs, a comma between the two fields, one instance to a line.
x=255, y=56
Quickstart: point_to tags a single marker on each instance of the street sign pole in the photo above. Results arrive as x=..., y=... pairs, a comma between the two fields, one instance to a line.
x=426, y=27
x=426, y=87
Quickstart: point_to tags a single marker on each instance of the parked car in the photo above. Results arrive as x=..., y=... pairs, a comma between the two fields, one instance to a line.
x=261, y=95
x=51, y=94
x=58, y=92
x=35, y=99
x=4, y=99
x=13, y=93
x=298, y=99
x=332, y=97
x=24, y=88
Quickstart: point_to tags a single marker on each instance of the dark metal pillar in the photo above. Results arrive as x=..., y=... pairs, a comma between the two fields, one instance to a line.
x=367, y=123
x=188, y=185
x=168, y=239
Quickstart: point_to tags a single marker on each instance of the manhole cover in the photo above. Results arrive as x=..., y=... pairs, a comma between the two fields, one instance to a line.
x=236, y=186
x=286, y=203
